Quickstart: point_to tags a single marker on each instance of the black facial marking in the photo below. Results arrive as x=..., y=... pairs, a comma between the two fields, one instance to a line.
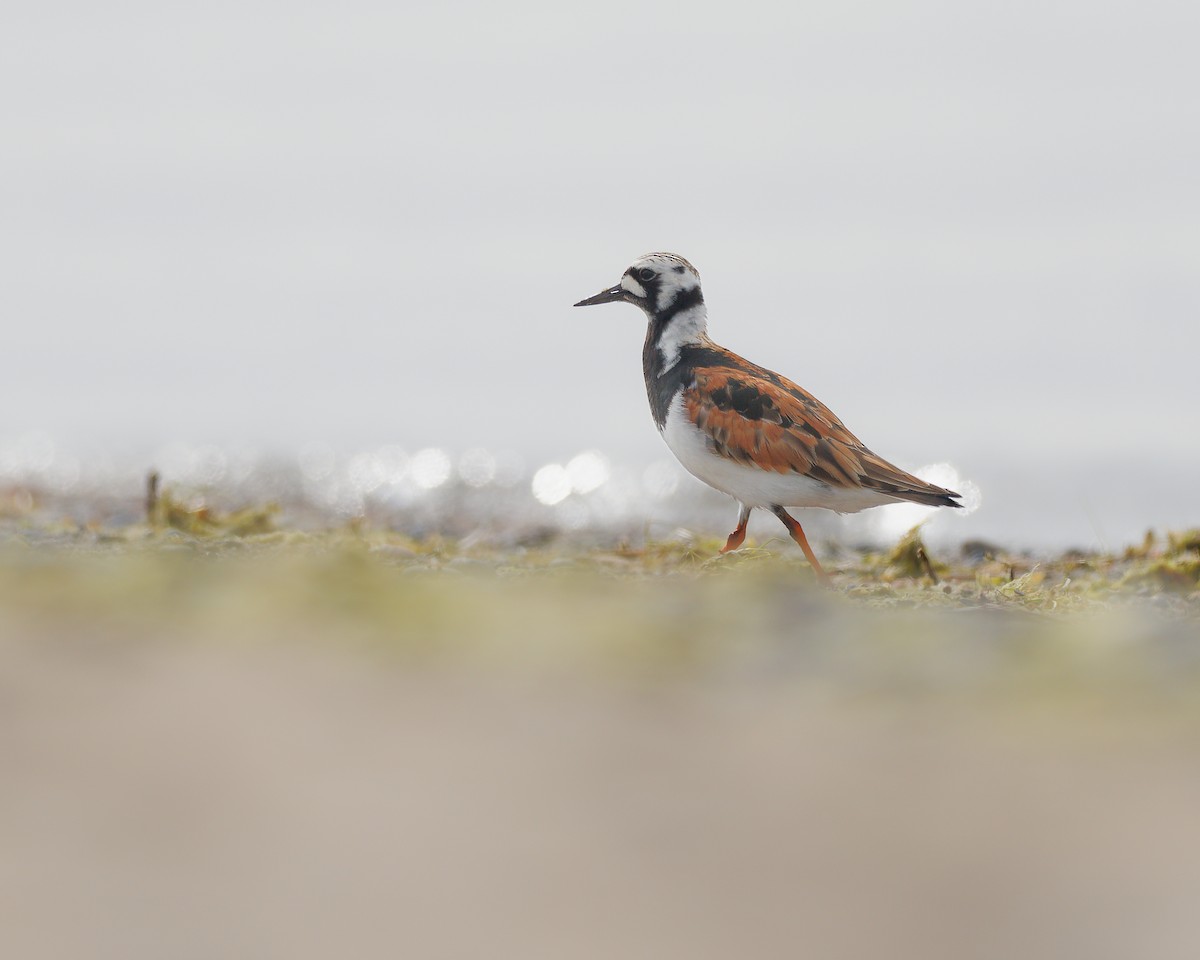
x=650, y=284
x=684, y=300
x=679, y=269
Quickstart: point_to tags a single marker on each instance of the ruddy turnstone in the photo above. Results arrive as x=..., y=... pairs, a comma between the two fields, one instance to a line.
x=742, y=428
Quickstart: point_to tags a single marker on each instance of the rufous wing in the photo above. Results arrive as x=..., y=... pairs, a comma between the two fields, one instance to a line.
x=765, y=420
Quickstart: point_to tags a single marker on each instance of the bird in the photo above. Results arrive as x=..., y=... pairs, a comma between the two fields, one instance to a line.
x=743, y=429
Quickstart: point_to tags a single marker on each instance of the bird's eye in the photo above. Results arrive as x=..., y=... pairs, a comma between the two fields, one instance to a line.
x=646, y=274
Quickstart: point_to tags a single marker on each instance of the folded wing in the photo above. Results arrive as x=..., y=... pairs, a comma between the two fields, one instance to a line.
x=759, y=418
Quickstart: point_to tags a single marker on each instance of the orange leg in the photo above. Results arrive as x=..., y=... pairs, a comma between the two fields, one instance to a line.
x=797, y=533
x=738, y=535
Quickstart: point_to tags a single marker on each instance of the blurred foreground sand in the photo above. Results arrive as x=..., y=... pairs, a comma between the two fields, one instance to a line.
x=576, y=769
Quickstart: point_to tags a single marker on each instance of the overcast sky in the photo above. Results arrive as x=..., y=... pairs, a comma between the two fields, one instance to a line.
x=972, y=230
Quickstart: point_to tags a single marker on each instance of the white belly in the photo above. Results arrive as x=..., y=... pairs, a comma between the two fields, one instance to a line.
x=752, y=485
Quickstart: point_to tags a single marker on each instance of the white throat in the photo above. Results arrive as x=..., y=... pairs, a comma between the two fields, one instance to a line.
x=686, y=328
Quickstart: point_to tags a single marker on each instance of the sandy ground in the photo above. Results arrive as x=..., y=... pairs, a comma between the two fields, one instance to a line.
x=205, y=797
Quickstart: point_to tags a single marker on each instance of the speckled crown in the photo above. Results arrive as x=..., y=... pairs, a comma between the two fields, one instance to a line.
x=663, y=257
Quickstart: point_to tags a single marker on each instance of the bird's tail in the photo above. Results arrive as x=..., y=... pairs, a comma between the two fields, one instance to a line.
x=931, y=496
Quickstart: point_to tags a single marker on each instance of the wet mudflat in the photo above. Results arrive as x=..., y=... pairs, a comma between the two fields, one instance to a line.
x=266, y=741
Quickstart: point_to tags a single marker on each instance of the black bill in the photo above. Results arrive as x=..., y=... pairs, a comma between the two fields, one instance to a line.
x=611, y=295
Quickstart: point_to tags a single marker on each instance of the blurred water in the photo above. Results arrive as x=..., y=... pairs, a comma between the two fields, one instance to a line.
x=500, y=496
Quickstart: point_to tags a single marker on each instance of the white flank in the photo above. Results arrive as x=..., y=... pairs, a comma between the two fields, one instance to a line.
x=754, y=486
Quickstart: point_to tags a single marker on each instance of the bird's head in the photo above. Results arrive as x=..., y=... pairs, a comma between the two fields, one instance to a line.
x=662, y=284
